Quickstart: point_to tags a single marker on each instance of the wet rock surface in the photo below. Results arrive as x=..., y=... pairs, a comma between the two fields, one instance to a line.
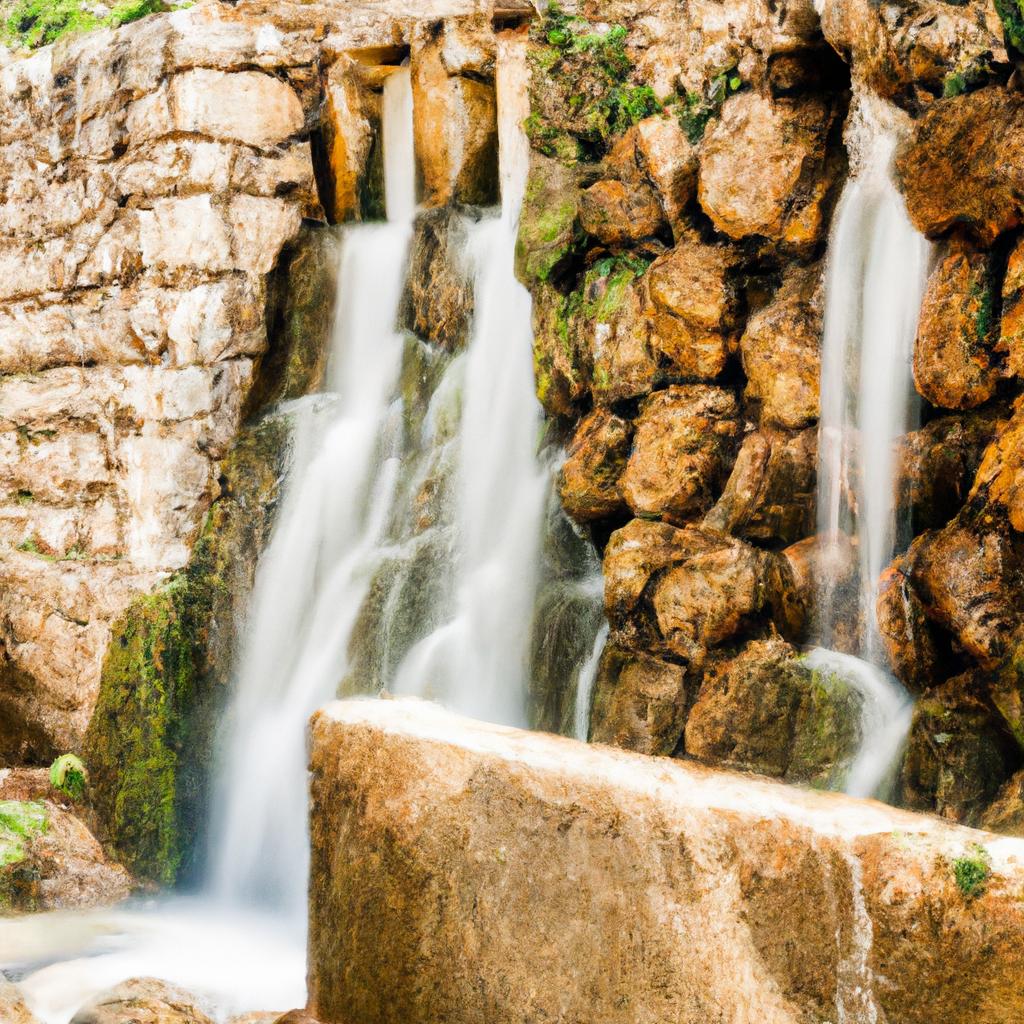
x=619, y=886
x=142, y=1001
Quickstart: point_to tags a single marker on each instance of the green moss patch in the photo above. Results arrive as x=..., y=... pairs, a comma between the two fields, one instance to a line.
x=35, y=23
x=21, y=821
x=972, y=871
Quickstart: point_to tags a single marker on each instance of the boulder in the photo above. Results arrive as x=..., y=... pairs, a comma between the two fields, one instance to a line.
x=936, y=466
x=966, y=577
x=955, y=366
x=12, y=1007
x=589, y=481
x=561, y=364
x=49, y=860
x=639, y=702
x=657, y=150
x=549, y=231
x=1006, y=813
x=456, y=127
x=958, y=753
x=911, y=644
x=620, y=214
x=918, y=53
x=766, y=169
x=709, y=594
x=762, y=710
x=695, y=307
x=817, y=579
x=781, y=350
x=1000, y=480
x=142, y=1001
x=349, y=123
x=580, y=882
x=683, y=449
x=770, y=495
x=438, y=302
x=1012, y=327
x=959, y=166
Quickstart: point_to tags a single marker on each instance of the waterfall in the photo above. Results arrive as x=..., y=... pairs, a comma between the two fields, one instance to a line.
x=478, y=660
x=877, y=269
x=313, y=577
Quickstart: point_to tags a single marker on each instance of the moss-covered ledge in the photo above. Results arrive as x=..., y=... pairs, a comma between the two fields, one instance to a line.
x=167, y=670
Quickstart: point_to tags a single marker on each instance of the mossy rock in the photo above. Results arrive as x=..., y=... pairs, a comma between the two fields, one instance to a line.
x=149, y=746
x=550, y=235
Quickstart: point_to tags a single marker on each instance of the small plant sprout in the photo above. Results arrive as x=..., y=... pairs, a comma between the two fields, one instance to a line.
x=972, y=871
x=67, y=774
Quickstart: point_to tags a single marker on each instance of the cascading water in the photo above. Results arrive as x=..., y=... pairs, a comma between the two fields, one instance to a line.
x=877, y=269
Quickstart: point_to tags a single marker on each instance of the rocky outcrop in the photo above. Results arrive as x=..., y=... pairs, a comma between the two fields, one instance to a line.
x=146, y=1000
x=149, y=187
x=165, y=678
x=12, y=1006
x=609, y=886
x=49, y=860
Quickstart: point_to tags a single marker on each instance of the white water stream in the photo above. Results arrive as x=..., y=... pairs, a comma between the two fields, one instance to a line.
x=877, y=269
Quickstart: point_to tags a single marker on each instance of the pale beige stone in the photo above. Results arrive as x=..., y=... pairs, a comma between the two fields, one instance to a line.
x=585, y=883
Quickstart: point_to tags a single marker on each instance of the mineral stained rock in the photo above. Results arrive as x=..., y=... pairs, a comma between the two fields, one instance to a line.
x=586, y=883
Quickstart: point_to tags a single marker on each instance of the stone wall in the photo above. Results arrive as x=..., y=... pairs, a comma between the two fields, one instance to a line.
x=466, y=873
x=686, y=162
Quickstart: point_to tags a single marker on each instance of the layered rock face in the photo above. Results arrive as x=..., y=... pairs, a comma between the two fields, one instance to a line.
x=685, y=168
x=585, y=883
x=151, y=179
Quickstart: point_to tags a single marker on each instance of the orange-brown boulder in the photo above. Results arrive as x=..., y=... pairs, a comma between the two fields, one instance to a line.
x=1000, y=479
x=960, y=166
x=694, y=307
x=766, y=169
x=955, y=366
x=581, y=882
x=906, y=631
x=1006, y=812
x=770, y=495
x=781, y=350
x=683, y=449
x=1012, y=327
x=589, y=481
x=639, y=702
x=763, y=710
x=616, y=213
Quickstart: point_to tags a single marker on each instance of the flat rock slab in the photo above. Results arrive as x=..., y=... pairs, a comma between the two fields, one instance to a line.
x=470, y=873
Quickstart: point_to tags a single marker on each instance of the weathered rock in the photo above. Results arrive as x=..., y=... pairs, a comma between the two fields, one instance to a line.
x=49, y=860
x=909, y=636
x=549, y=231
x=781, y=349
x=639, y=702
x=1000, y=479
x=1006, y=813
x=438, y=301
x=12, y=1007
x=762, y=710
x=589, y=481
x=683, y=450
x=456, y=127
x=142, y=1001
x=936, y=466
x=348, y=130
x=766, y=170
x=619, y=214
x=809, y=577
x=959, y=167
x=1012, y=326
x=770, y=496
x=957, y=755
x=695, y=307
x=301, y=318
x=656, y=150
x=709, y=594
x=955, y=366
x=166, y=674
x=581, y=882
x=913, y=52
x=966, y=578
